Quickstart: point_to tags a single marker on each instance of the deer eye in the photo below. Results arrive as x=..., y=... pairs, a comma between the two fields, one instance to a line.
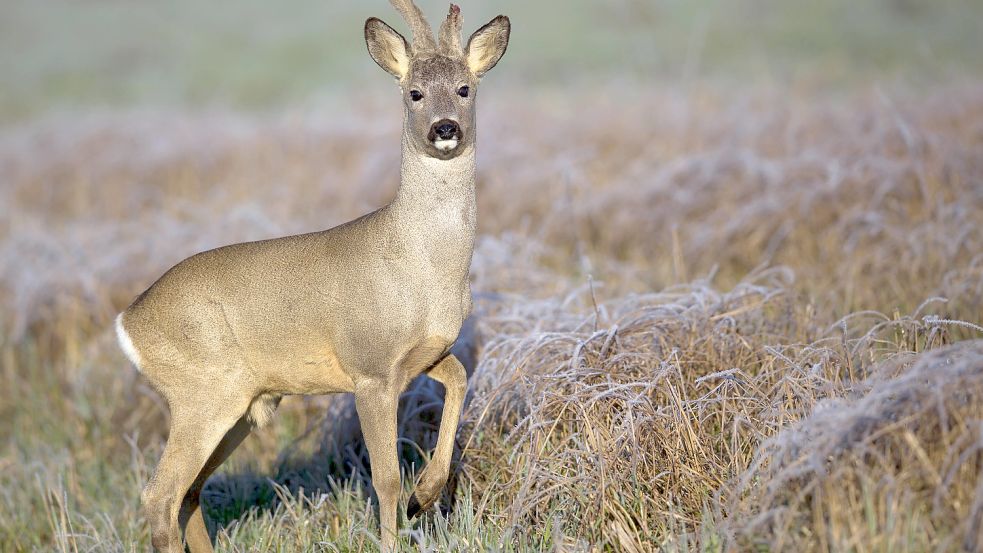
x=416, y=95
x=464, y=91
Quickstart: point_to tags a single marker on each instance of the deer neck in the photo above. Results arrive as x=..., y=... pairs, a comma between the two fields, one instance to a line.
x=437, y=194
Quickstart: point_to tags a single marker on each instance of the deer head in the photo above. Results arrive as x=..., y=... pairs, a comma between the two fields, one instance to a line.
x=438, y=79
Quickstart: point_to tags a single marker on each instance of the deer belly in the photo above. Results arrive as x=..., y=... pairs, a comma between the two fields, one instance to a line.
x=311, y=370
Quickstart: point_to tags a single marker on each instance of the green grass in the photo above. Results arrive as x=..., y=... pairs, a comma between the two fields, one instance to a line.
x=253, y=54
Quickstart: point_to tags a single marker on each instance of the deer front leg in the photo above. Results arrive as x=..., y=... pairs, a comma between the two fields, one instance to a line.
x=376, y=407
x=452, y=375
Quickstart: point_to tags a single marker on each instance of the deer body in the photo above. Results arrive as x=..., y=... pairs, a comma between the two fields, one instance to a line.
x=363, y=307
x=314, y=313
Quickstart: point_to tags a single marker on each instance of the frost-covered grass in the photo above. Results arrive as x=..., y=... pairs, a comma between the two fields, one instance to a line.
x=705, y=320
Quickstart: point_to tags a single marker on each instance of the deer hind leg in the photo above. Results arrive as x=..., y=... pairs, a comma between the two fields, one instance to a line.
x=196, y=432
x=376, y=407
x=195, y=533
x=452, y=375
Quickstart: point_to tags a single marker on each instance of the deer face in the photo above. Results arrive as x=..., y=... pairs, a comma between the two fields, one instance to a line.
x=438, y=100
x=439, y=84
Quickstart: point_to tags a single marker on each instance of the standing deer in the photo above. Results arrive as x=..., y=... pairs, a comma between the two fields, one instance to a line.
x=363, y=307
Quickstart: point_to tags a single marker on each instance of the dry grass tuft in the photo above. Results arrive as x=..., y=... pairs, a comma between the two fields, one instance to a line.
x=892, y=465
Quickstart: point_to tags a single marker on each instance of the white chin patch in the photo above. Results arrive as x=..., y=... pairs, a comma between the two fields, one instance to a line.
x=445, y=145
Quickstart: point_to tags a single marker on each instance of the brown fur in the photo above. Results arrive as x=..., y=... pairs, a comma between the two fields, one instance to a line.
x=363, y=307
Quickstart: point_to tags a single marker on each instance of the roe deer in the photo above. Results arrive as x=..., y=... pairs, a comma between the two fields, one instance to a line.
x=363, y=307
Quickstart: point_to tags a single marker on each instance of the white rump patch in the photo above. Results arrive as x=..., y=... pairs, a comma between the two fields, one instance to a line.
x=446, y=145
x=126, y=344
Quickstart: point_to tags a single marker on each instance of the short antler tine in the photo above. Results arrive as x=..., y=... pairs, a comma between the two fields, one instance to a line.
x=422, y=33
x=450, y=32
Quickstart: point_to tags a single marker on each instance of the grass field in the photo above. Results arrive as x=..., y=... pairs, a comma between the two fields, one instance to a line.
x=710, y=315
x=252, y=54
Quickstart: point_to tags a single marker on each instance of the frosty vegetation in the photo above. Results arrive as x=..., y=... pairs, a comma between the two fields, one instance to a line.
x=704, y=321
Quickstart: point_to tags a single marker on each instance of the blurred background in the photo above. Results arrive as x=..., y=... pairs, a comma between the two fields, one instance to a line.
x=64, y=54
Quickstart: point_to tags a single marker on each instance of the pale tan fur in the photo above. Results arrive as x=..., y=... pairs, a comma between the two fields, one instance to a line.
x=363, y=307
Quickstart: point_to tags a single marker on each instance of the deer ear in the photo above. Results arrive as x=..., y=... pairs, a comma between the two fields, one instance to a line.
x=387, y=47
x=487, y=45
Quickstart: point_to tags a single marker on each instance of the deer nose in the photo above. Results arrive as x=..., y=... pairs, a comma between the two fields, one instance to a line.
x=445, y=129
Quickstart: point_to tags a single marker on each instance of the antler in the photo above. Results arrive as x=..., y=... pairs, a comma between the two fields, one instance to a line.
x=422, y=34
x=450, y=33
